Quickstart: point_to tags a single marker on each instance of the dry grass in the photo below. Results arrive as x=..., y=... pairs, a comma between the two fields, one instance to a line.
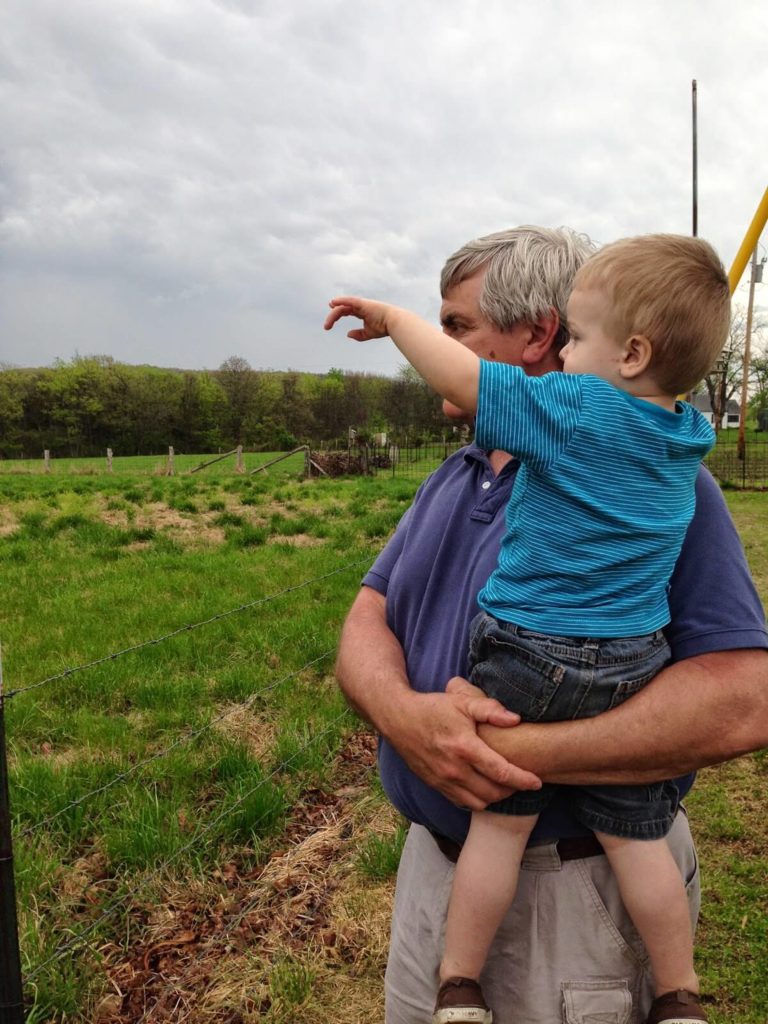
x=299, y=937
x=240, y=724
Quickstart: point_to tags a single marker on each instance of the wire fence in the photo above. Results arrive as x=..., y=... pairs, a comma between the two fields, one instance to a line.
x=412, y=458
x=746, y=470
x=88, y=936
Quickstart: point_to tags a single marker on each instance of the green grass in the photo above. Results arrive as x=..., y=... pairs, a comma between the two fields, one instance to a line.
x=380, y=855
x=726, y=808
x=139, y=777
x=181, y=754
x=156, y=465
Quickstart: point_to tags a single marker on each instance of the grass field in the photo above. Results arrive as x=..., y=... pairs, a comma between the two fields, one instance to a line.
x=199, y=834
x=155, y=465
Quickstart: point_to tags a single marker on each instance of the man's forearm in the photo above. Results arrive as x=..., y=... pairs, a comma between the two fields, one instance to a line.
x=450, y=368
x=434, y=733
x=370, y=666
x=698, y=712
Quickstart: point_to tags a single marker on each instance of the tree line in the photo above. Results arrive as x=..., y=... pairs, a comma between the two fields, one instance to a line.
x=85, y=405
x=88, y=404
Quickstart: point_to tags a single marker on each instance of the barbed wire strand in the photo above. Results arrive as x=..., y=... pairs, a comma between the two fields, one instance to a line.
x=182, y=629
x=198, y=834
x=214, y=940
x=82, y=936
x=187, y=737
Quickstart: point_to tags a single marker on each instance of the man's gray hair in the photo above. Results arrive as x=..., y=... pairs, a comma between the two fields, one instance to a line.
x=529, y=272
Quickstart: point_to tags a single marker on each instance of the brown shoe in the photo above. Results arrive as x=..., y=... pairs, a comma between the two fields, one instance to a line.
x=680, y=1007
x=460, y=1001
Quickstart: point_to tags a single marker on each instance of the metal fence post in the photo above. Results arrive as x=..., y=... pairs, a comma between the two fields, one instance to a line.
x=11, y=991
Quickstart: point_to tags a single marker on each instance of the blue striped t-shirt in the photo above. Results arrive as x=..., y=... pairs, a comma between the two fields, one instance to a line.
x=601, y=504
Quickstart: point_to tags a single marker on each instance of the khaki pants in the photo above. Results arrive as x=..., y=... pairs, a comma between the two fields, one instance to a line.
x=566, y=952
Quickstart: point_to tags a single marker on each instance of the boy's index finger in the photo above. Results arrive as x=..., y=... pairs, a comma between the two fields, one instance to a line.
x=337, y=312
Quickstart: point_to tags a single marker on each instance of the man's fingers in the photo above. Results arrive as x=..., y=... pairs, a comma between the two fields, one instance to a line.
x=499, y=770
x=486, y=709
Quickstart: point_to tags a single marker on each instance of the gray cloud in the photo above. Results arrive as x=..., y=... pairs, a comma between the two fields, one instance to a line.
x=187, y=179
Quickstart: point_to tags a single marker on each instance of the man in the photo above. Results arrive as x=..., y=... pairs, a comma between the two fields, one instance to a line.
x=566, y=951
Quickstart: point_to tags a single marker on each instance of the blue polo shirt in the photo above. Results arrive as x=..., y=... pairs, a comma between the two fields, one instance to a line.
x=445, y=548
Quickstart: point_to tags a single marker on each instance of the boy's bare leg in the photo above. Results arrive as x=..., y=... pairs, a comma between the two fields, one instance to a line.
x=654, y=895
x=484, y=886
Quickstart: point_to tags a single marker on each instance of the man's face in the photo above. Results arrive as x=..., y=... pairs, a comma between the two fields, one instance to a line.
x=461, y=319
x=591, y=349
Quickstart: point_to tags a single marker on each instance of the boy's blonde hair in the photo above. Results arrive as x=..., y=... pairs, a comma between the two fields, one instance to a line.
x=674, y=290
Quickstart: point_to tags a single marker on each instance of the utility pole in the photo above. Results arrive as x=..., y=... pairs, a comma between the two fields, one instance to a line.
x=741, y=451
x=695, y=230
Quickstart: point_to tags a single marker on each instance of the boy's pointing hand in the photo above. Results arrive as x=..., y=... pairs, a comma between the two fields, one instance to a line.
x=373, y=314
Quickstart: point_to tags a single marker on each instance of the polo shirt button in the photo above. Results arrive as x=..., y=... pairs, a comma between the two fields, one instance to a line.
x=486, y=485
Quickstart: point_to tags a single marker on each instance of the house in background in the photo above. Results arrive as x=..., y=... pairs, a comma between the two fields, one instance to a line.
x=701, y=402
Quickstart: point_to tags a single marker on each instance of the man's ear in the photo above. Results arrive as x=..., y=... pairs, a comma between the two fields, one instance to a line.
x=636, y=356
x=543, y=334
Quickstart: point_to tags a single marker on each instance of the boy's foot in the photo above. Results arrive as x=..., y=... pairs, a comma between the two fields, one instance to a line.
x=680, y=1007
x=460, y=1001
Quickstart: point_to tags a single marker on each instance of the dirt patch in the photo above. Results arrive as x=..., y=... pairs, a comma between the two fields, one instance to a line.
x=278, y=508
x=297, y=540
x=241, y=724
x=188, y=528
x=115, y=517
x=216, y=951
x=8, y=523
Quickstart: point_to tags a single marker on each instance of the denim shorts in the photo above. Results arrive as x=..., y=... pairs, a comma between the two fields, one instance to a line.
x=554, y=678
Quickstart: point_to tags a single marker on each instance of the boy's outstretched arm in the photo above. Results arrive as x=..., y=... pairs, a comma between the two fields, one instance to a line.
x=452, y=370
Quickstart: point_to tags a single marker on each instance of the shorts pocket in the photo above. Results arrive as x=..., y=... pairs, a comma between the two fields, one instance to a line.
x=521, y=679
x=627, y=680
x=596, y=1002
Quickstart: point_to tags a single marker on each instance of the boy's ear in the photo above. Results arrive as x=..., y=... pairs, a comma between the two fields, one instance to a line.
x=636, y=357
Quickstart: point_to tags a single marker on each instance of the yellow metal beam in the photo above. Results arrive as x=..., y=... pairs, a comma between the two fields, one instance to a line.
x=750, y=241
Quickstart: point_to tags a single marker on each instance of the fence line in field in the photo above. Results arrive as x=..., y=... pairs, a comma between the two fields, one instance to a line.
x=409, y=457
x=186, y=737
x=82, y=936
x=66, y=673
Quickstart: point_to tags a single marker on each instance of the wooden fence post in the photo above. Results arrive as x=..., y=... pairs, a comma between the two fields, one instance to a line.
x=47, y=461
x=169, y=468
x=239, y=464
x=109, y=460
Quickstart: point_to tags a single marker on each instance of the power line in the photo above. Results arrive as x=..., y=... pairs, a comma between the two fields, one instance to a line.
x=181, y=629
x=82, y=936
x=186, y=737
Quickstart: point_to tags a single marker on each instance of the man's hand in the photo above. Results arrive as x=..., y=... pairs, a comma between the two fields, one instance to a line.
x=434, y=733
x=373, y=314
x=439, y=742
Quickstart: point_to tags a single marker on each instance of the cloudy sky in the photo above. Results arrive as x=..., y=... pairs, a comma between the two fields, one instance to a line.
x=185, y=180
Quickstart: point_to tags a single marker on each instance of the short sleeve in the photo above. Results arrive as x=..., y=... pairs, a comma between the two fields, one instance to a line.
x=531, y=417
x=378, y=576
x=713, y=602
